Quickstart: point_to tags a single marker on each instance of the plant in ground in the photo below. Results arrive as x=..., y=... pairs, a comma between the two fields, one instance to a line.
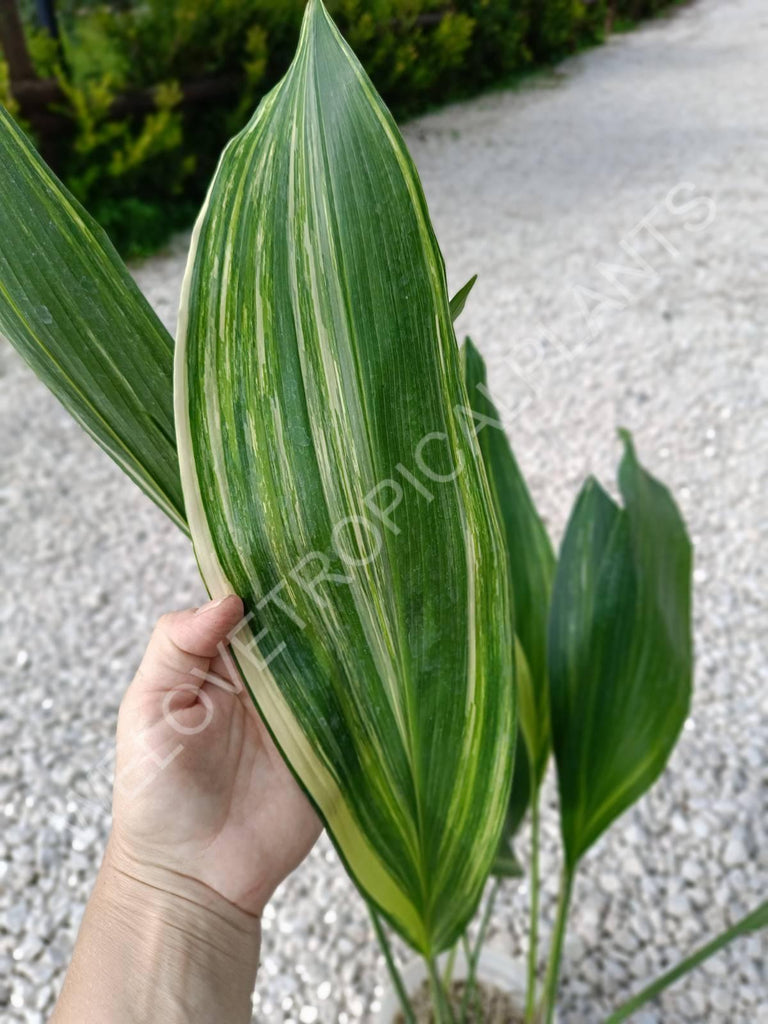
x=338, y=464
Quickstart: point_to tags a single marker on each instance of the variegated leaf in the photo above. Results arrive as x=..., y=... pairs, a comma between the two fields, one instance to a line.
x=72, y=310
x=330, y=483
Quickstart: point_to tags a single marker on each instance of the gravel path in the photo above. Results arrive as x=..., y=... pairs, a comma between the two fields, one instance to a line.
x=533, y=189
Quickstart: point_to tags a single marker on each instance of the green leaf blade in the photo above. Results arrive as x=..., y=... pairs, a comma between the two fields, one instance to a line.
x=459, y=300
x=316, y=376
x=531, y=567
x=620, y=650
x=74, y=313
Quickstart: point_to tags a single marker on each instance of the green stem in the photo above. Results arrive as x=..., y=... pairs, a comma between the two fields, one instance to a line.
x=473, y=955
x=440, y=1001
x=465, y=997
x=553, y=968
x=755, y=919
x=449, y=965
x=530, y=1001
x=397, y=981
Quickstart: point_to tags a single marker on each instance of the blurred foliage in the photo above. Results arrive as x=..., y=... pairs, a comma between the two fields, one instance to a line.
x=142, y=167
x=6, y=98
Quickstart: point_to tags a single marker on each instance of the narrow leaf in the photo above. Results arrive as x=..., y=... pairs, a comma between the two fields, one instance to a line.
x=754, y=921
x=329, y=482
x=75, y=314
x=620, y=649
x=459, y=300
x=531, y=566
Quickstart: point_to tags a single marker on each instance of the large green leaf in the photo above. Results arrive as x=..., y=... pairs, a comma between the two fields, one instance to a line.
x=531, y=566
x=620, y=649
x=70, y=307
x=328, y=481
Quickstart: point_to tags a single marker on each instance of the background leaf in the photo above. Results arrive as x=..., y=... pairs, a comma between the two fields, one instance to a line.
x=531, y=565
x=75, y=314
x=317, y=374
x=620, y=649
x=459, y=300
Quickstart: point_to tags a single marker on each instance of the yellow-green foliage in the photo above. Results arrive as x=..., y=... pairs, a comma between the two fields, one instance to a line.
x=407, y=46
x=6, y=97
x=144, y=173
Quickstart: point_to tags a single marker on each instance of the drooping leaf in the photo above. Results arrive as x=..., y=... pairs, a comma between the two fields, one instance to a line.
x=330, y=484
x=75, y=314
x=531, y=566
x=620, y=649
x=459, y=300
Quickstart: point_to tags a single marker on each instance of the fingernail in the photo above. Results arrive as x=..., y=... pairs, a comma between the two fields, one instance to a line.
x=211, y=604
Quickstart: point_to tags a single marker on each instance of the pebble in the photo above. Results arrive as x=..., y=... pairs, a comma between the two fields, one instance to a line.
x=735, y=852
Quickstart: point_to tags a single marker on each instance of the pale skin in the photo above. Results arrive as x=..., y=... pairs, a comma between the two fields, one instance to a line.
x=201, y=838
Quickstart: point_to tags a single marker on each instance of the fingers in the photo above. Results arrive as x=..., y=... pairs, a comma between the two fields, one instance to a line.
x=186, y=641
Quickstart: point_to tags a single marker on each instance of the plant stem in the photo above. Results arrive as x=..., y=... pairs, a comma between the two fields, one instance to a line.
x=755, y=919
x=530, y=1000
x=448, y=972
x=553, y=968
x=473, y=956
x=440, y=1001
x=465, y=996
x=397, y=981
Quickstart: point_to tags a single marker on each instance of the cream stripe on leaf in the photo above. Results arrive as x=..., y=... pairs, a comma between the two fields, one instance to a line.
x=315, y=360
x=620, y=649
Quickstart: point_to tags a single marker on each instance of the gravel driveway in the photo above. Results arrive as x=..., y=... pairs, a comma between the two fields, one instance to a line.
x=651, y=153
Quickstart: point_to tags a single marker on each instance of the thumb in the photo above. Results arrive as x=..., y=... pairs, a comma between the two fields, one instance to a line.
x=186, y=640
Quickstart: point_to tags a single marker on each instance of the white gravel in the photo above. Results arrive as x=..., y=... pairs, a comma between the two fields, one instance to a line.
x=532, y=189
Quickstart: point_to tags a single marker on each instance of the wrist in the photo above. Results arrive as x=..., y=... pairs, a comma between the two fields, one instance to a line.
x=171, y=949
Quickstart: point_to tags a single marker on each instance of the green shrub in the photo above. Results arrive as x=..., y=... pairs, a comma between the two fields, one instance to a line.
x=141, y=166
x=500, y=43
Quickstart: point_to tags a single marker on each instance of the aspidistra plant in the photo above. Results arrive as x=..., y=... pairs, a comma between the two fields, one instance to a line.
x=341, y=465
x=326, y=477
x=604, y=671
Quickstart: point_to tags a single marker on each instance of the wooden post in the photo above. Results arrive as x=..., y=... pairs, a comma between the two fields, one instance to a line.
x=14, y=44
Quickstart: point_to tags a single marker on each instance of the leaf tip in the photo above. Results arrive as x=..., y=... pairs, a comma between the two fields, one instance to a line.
x=625, y=436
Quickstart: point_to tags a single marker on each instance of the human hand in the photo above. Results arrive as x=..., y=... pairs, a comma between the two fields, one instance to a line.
x=207, y=821
x=201, y=791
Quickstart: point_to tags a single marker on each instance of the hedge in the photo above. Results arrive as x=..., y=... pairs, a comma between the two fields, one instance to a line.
x=136, y=100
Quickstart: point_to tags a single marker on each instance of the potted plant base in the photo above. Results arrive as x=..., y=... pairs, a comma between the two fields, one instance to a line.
x=500, y=989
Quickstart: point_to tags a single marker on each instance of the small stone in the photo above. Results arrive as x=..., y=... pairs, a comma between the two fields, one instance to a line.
x=698, y=1003
x=720, y=999
x=691, y=871
x=610, y=883
x=15, y=918
x=625, y=940
x=43, y=997
x=678, y=905
x=646, y=1017
x=735, y=852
